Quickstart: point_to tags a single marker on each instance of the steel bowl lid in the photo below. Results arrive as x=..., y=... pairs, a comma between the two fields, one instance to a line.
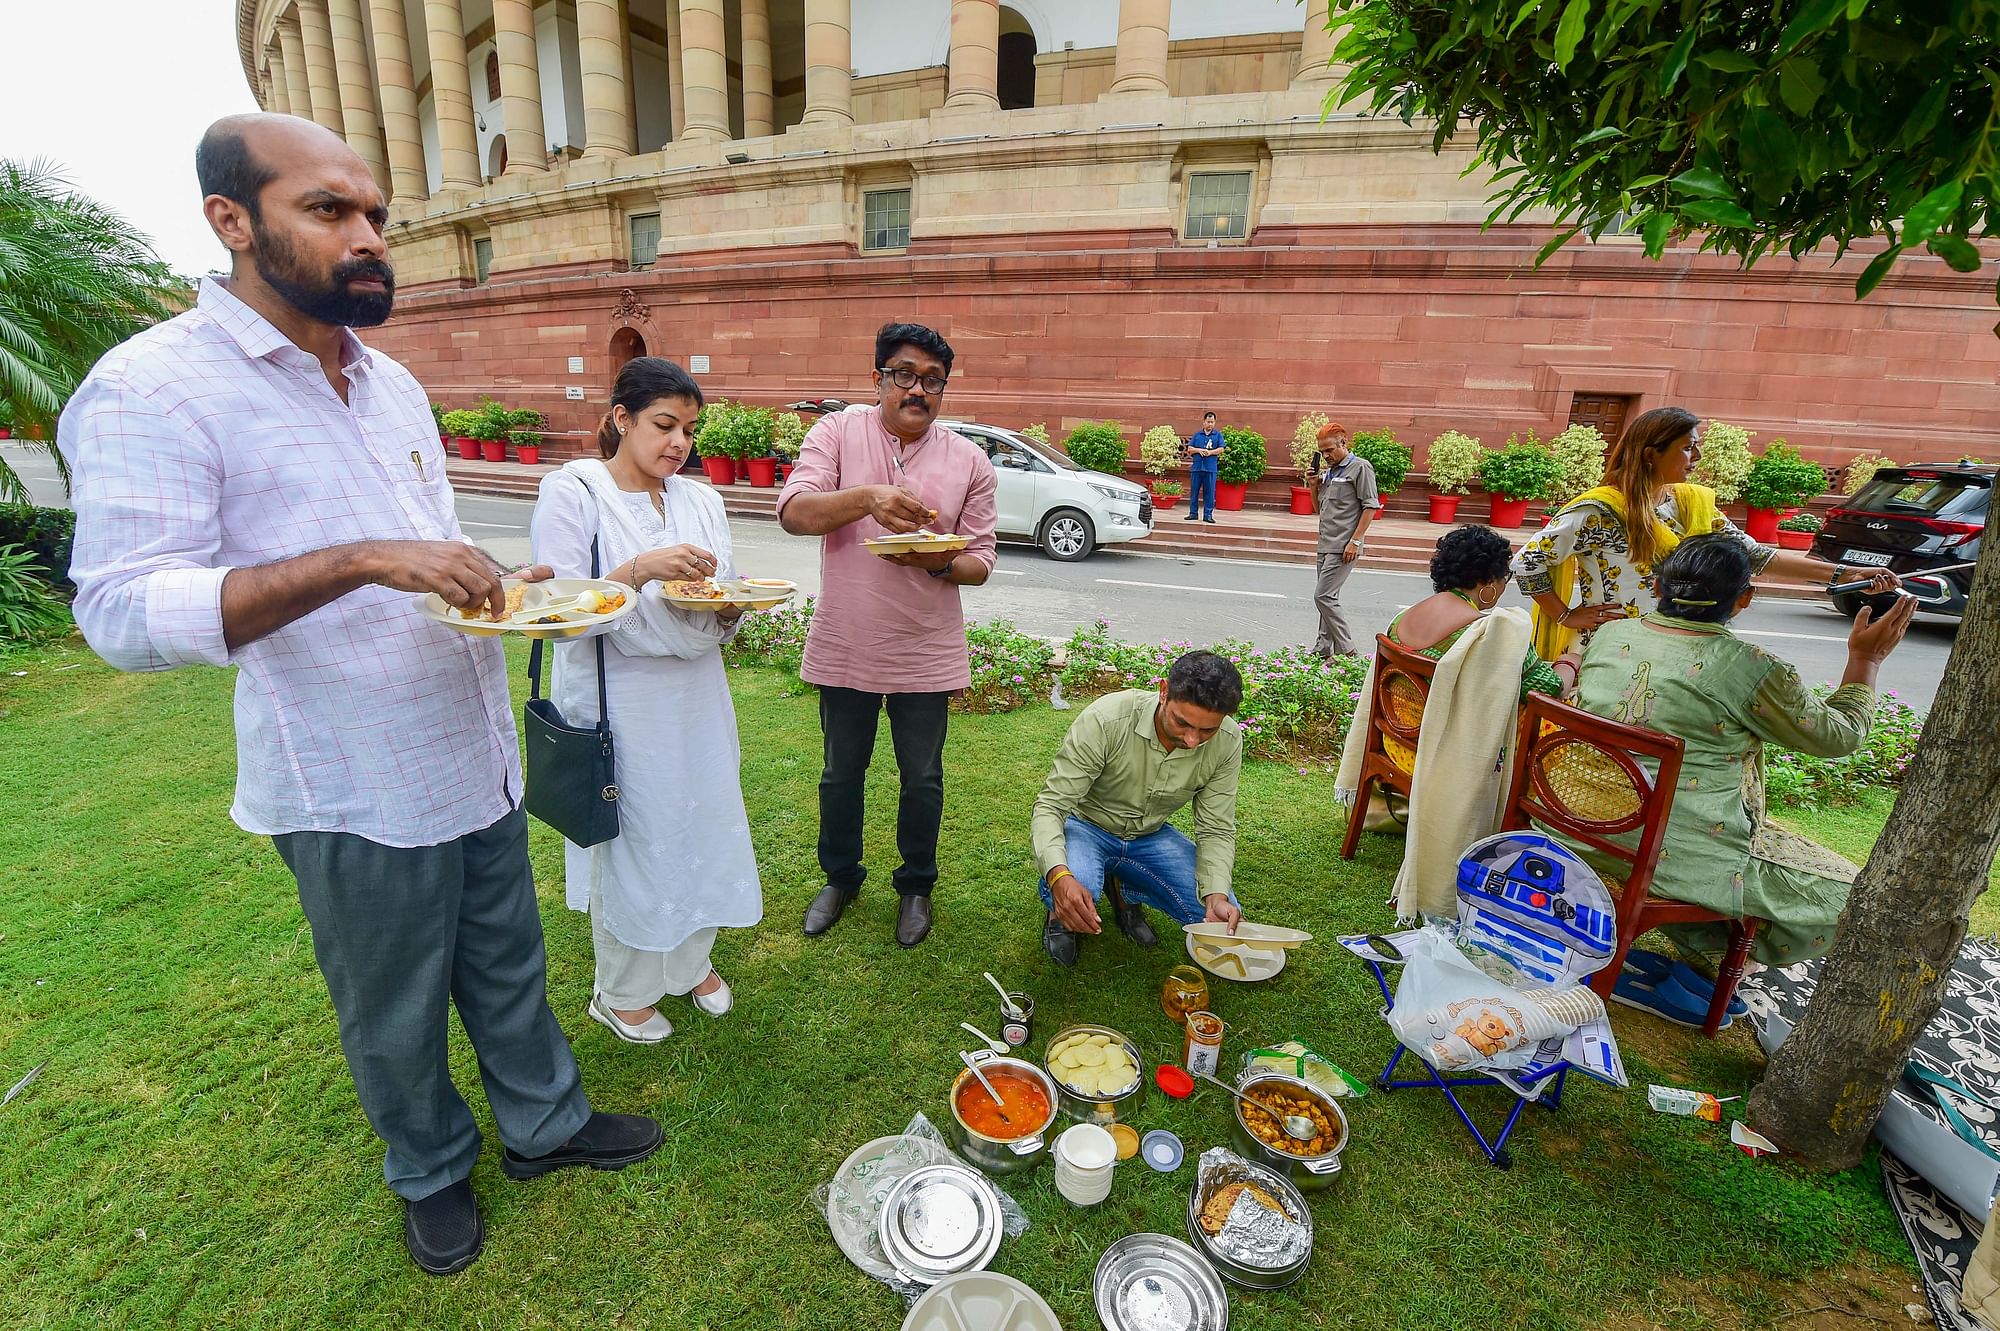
x=1155, y=1282
x=941, y=1220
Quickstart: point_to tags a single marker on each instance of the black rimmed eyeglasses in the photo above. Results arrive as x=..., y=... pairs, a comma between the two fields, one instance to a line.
x=907, y=378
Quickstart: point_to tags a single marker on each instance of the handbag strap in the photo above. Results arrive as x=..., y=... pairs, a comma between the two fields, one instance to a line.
x=535, y=663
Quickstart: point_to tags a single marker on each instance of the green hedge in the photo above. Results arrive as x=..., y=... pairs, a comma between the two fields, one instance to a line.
x=46, y=533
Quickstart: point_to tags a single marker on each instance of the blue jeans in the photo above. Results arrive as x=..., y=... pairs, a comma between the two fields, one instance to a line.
x=1201, y=491
x=1155, y=870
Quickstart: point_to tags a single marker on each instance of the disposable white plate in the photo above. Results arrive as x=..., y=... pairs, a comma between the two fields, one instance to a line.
x=433, y=607
x=981, y=1301
x=760, y=594
x=1242, y=964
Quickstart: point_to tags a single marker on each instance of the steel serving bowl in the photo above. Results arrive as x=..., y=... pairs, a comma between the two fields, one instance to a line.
x=1308, y=1173
x=1231, y=1269
x=1103, y=1110
x=992, y=1154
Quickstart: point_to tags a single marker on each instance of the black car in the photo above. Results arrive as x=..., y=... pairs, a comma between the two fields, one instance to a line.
x=1913, y=520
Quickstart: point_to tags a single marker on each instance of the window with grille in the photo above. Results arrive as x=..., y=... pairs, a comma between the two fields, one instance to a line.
x=482, y=258
x=1218, y=205
x=644, y=230
x=885, y=219
x=493, y=76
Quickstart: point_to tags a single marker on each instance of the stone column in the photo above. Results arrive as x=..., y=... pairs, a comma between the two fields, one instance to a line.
x=676, y=91
x=1316, y=50
x=829, y=62
x=975, y=55
x=357, y=86
x=321, y=72
x=760, y=108
x=704, y=71
x=520, y=86
x=396, y=85
x=298, y=90
x=1142, y=48
x=600, y=49
x=281, y=91
x=451, y=95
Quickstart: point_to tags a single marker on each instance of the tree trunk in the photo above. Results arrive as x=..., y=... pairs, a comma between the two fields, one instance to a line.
x=1900, y=934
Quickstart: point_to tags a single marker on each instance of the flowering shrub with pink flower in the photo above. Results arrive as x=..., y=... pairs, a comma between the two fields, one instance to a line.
x=1796, y=778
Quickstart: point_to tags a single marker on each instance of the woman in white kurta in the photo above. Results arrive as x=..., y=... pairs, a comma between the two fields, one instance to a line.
x=681, y=866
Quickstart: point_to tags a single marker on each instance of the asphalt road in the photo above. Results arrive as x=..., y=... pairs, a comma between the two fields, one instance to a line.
x=1152, y=598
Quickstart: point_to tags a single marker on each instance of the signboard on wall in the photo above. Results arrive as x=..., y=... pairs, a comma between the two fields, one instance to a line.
x=697, y=365
x=576, y=365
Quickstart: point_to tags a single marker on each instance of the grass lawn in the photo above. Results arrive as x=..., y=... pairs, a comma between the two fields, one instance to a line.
x=193, y=1154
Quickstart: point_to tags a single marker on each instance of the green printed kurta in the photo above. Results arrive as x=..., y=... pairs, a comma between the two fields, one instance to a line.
x=1726, y=699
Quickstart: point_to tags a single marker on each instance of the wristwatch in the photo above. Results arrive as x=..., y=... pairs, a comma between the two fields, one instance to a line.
x=944, y=572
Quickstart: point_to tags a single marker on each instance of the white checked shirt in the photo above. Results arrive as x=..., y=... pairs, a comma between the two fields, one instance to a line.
x=212, y=442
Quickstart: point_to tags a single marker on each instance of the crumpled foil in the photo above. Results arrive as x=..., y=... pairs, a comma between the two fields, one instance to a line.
x=1253, y=1235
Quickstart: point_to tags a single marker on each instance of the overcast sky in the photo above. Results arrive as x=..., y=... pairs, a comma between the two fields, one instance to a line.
x=117, y=93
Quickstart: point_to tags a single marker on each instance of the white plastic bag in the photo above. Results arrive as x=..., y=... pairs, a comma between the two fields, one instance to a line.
x=1457, y=1017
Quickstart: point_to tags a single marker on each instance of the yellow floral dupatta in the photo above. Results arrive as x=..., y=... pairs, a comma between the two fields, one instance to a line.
x=1695, y=506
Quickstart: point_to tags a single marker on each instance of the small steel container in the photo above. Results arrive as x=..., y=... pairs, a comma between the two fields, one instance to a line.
x=1103, y=1110
x=939, y=1221
x=1232, y=1270
x=990, y=1153
x=1308, y=1173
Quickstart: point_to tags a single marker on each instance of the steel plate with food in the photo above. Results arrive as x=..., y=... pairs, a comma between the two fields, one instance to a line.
x=1097, y=1070
x=552, y=608
x=922, y=541
x=714, y=595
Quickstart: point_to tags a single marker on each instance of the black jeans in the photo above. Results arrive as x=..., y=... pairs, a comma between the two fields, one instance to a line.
x=847, y=721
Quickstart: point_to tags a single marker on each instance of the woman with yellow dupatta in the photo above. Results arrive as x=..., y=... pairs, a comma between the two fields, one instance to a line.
x=1592, y=565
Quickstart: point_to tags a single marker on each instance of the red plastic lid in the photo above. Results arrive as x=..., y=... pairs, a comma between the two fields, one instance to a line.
x=1173, y=1080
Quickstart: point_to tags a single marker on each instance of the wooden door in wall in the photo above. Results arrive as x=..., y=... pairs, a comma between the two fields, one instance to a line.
x=1606, y=412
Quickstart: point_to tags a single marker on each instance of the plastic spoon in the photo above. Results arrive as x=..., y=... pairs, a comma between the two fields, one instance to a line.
x=997, y=1046
x=1297, y=1126
x=998, y=1103
x=1007, y=1003
x=530, y=613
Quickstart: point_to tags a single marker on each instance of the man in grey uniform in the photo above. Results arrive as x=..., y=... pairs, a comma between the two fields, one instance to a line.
x=1344, y=493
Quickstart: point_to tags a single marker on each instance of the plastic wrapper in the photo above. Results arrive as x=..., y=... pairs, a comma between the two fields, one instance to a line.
x=1296, y=1059
x=1253, y=1234
x=852, y=1203
x=1459, y=1017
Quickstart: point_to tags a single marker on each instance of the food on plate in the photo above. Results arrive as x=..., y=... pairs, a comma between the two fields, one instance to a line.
x=1093, y=1066
x=597, y=603
x=1215, y=1211
x=480, y=610
x=1025, y=1100
x=1264, y=1112
x=694, y=589
x=780, y=583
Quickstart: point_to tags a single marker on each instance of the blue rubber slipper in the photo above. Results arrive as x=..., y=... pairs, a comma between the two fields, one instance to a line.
x=1647, y=966
x=1700, y=988
x=1667, y=1003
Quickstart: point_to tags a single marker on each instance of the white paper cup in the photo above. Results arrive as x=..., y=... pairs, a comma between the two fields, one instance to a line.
x=1087, y=1148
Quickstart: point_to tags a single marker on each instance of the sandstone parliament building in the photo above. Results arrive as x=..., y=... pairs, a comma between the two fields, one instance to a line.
x=1124, y=209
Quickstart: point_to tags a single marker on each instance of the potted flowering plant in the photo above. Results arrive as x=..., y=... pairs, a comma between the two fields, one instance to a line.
x=715, y=443
x=1305, y=457
x=1167, y=493
x=489, y=427
x=788, y=434
x=1780, y=480
x=1725, y=460
x=1454, y=465
x=458, y=426
x=1861, y=469
x=1388, y=455
x=524, y=427
x=1797, y=531
x=1515, y=476
x=437, y=418
x=1098, y=446
x=1243, y=460
x=1159, y=449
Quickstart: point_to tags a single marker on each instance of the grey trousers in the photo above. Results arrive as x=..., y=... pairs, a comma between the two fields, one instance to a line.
x=402, y=935
x=1334, y=638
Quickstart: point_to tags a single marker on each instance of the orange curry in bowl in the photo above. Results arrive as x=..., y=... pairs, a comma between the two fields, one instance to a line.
x=1025, y=1100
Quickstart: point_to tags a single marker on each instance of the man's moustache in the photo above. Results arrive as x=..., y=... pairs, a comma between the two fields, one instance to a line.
x=916, y=402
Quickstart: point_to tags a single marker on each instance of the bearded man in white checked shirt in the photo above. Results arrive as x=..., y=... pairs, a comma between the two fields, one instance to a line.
x=254, y=487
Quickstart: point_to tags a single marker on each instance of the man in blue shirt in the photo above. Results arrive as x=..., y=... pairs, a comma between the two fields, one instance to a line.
x=1204, y=461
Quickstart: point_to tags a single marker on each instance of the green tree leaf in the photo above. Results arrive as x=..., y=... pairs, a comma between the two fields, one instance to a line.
x=1770, y=152
x=1676, y=61
x=1569, y=32
x=1704, y=182
x=1600, y=135
x=1717, y=212
x=1800, y=85
x=1931, y=212
x=1872, y=275
x=1814, y=18
x=1729, y=62
x=1659, y=226
x=1960, y=253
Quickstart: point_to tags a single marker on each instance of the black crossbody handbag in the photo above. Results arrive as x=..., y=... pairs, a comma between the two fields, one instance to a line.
x=572, y=777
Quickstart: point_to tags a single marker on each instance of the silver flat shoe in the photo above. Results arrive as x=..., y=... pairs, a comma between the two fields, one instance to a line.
x=652, y=1030
x=718, y=1003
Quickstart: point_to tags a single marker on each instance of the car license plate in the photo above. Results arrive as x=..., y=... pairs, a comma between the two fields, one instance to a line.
x=1875, y=557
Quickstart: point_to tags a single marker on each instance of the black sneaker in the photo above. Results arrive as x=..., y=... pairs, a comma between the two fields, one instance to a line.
x=1058, y=941
x=444, y=1231
x=606, y=1141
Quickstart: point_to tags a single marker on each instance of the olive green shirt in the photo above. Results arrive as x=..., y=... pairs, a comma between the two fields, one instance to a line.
x=1112, y=771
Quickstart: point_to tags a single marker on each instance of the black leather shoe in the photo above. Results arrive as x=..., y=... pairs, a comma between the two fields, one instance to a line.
x=913, y=920
x=1132, y=922
x=606, y=1141
x=827, y=908
x=1058, y=941
x=443, y=1231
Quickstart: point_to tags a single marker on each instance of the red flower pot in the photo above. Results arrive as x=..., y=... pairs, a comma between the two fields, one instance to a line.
x=1444, y=508
x=467, y=448
x=529, y=455
x=1229, y=495
x=763, y=472
x=1504, y=512
x=493, y=450
x=1762, y=524
x=720, y=471
x=1302, y=500
x=1795, y=540
x=785, y=472
x=6, y=433
x=1164, y=501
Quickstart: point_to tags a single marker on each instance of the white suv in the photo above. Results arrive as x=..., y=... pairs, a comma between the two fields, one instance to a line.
x=1043, y=496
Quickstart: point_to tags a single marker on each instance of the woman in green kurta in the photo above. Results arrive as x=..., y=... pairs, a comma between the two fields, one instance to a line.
x=1681, y=671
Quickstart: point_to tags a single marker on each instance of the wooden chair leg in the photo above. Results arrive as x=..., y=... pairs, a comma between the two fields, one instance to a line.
x=1742, y=934
x=1357, y=816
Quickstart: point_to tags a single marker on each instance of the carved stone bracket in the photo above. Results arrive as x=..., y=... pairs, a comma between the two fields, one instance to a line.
x=631, y=307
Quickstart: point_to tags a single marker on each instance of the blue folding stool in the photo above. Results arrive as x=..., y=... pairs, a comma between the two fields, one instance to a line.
x=1528, y=900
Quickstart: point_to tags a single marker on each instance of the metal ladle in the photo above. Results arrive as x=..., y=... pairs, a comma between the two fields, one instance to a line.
x=998, y=1104
x=1297, y=1126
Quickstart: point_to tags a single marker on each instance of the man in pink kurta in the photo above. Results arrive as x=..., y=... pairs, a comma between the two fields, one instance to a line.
x=888, y=634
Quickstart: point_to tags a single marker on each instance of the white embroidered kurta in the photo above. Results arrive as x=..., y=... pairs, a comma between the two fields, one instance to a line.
x=682, y=860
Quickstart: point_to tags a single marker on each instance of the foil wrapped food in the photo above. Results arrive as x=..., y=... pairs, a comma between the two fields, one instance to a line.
x=1264, y=1226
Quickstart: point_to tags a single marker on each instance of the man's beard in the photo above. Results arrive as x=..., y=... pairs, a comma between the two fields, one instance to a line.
x=328, y=302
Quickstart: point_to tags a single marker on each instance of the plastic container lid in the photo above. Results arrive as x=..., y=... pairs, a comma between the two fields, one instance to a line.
x=1162, y=1150
x=1173, y=1080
